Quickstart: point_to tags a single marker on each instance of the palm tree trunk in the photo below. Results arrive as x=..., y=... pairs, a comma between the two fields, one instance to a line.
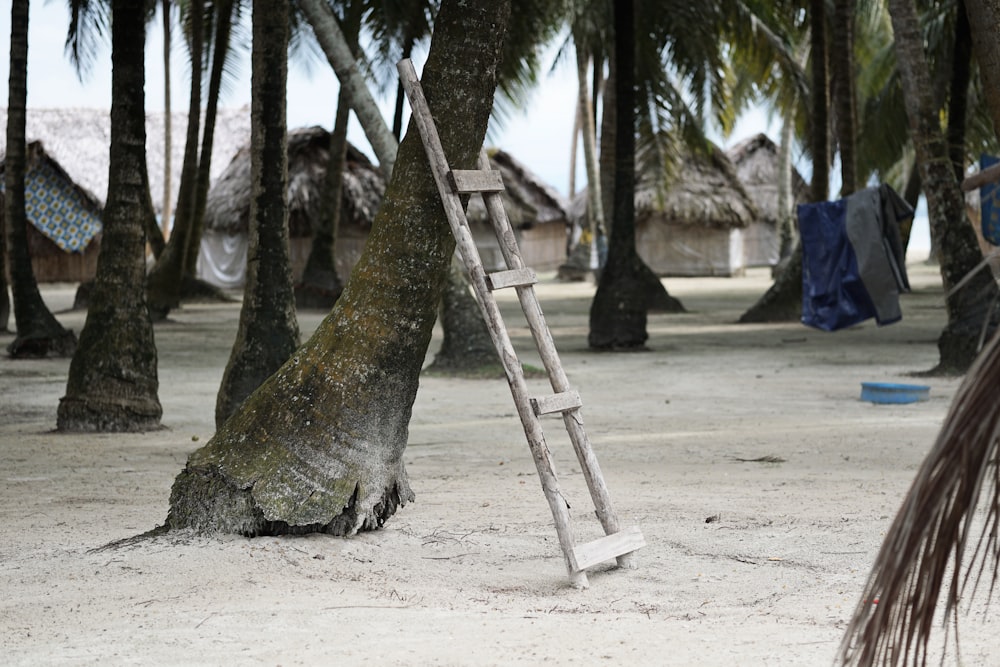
x=220, y=50
x=165, y=280
x=842, y=85
x=38, y=332
x=961, y=74
x=970, y=307
x=338, y=52
x=595, y=205
x=4, y=292
x=467, y=349
x=167, y=125
x=112, y=384
x=320, y=286
x=268, y=332
x=984, y=22
x=319, y=447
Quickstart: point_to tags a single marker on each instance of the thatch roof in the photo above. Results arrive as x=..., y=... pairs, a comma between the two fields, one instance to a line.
x=756, y=162
x=228, y=206
x=527, y=199
x=705, y=193
x=80, y=140
x=67, y=213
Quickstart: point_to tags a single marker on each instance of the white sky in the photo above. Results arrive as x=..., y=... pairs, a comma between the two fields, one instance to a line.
x=539, y=136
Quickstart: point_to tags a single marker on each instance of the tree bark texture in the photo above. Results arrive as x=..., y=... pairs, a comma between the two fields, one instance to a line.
x=39, y=334
x=467, y=349
x=268, y=331
x=112, y=383
x=958, y=251
x=319, y=447
x=4, y=291
x=984, y=23
x=165, y=280
x=167, y=204
x=958, y=97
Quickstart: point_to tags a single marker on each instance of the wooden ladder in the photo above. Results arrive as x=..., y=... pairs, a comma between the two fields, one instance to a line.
x=617, y=543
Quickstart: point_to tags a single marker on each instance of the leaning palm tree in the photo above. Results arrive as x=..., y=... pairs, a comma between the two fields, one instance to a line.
x=38, y=331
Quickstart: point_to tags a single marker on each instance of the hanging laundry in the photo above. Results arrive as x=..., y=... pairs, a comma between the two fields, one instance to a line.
x=853, y=262
x=989, y=203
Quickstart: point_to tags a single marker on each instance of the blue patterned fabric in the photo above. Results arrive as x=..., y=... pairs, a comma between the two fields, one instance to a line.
x=989, y=203
x=58, y=210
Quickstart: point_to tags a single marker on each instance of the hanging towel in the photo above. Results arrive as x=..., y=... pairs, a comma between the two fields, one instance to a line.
x=989, y=203
x=853, y=263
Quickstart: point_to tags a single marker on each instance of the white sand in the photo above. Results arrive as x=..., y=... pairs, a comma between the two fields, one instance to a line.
x=471, y=573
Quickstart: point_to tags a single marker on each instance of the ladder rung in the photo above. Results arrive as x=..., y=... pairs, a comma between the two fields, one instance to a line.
x=511, y=278
x=608, y=547
x=561, y=402
x=464, y=181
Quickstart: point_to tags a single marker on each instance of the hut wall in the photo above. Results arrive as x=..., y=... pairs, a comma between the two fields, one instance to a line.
x=690, y=250
x=543, y=247
x=52, y=264
x=761, y=245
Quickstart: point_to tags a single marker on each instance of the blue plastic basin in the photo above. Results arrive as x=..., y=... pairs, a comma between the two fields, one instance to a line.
x=891, y=392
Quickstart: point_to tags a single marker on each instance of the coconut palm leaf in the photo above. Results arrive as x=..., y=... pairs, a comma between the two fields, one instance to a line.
x=926, y=551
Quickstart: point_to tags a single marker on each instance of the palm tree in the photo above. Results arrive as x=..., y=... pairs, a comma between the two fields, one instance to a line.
x=318, y=447
x=112, y=384
x=268, y=331
x=38, y=331
x=167, y=205
x=4, y=296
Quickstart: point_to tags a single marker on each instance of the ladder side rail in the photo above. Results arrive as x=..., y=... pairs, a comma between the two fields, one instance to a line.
x=573, y=419
x=512, y=367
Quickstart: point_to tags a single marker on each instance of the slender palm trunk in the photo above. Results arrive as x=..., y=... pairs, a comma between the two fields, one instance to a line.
x=4, y=291
x=168, y=119
x=970, y=308
x=268, y=332
x=220, y=50
x=112, y=383
x=165, y=280
x=595, y=205
x=319, y=446
x=961, y=74
x=38, y=332
x=842, y=84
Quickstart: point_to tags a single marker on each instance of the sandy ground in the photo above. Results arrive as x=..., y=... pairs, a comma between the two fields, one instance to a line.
x=747, y=563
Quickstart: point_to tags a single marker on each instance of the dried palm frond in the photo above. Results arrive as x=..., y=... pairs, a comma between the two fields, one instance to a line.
x=931, y=532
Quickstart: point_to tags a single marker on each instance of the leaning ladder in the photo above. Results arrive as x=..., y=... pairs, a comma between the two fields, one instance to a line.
x=617, y=543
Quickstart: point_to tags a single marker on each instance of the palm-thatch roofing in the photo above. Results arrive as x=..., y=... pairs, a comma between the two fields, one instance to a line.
x=228, y=206
x=527, y=199
x=757, y=167
x=705, y=192
x=80, y=140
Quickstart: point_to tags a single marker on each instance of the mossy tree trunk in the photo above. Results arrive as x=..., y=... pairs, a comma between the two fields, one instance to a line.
x=319, y=446
x=268, y=331
x=165, y=280
x=112, y=383
x=958, y=251
x=38, y=332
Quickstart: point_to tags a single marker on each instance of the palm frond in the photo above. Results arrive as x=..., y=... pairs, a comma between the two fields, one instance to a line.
x=89, y=32
x=924, y=553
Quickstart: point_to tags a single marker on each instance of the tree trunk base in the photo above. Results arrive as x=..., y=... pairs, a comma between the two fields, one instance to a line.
x=38, y=345
x=205, y=501
x=120, y=416
x=311, y=296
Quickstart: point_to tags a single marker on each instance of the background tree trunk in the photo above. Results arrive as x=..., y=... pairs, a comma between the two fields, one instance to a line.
x=319, y=447
x=467, y=349
x=842, y=82
x=38, y=332
x=268, y=331
x=167, y=124
x=165, y=280
x=4, y=293
x=984, y=23
x=112, y=383
x=958, y=251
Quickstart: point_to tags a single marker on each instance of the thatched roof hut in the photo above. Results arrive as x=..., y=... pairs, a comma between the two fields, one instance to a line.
x=758, y=168
x=80, y=140
x=64, y=219
x=227, y=212
x=535, y=209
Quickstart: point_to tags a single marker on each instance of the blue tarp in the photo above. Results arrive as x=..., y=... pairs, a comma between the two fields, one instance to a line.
x=853, y=264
